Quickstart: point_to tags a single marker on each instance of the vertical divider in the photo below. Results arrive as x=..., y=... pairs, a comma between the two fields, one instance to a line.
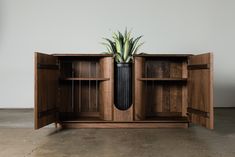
x=80, y=91
x=159, y=88
x=72, y=95
x=106, y=88
x=96, y=86
x=184, y=89
x=139, y=113
x=101, y=103
x=89, y=86
x=148, y=87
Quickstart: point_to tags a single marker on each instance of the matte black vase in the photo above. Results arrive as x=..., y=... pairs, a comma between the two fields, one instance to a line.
x=123, y=85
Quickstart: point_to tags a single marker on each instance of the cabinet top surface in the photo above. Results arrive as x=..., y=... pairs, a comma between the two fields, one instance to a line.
x=81, y=55
x=162, y=55
x=110, y=55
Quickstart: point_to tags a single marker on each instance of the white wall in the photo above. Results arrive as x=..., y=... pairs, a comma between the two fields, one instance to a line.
x=168, y=26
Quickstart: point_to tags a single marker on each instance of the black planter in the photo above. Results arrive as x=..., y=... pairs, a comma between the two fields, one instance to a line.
x=123, y=85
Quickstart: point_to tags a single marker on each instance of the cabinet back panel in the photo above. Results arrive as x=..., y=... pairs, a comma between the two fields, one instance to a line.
x=86, y=95
x=65, y=87
x=65, y=96
x=164, y=99
x=84, y=68
x=86, y=92
x=163, y=68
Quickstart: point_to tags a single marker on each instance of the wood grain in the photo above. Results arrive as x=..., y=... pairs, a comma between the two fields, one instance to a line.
x=176, y=89
x=81, y=55
x=163, y=79
x=106, y=88
x=123, y=116
x=65, y=88
x=85, y=79
x=46, y=90
x=200, y=90
x=184, y=56
x=164, y=86
x=136, y=124
x=184, y=89
x=139, y=106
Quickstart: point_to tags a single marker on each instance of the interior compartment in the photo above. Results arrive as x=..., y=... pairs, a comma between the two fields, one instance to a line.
x=82, y=81
x=163, y=81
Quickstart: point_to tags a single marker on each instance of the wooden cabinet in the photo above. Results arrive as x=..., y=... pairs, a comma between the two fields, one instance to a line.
x=169, y=90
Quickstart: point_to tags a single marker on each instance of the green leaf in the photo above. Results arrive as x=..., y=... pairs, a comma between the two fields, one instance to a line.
x=109, y=50
x=121, y=40
x=118, y=46
x=137, y=47
x=108, y=46
x=123, y=46
x=113, y=48
x=129, y=34
x=118, y=58
x=125, y=35
x=136, y=41
x=128, y=59
x=126, y=49
x=131, y=45
x=120, y=36
x=115, y=36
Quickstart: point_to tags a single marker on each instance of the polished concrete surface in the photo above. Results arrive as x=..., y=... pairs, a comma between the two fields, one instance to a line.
x=18, y=139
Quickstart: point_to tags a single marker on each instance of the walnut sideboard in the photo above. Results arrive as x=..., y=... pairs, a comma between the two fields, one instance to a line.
x=169, y=91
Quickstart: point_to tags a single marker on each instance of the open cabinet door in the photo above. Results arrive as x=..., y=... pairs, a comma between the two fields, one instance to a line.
x=200, y=90
x=46, y=89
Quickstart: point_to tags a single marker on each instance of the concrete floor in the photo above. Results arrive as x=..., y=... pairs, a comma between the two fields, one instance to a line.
x=18, y=139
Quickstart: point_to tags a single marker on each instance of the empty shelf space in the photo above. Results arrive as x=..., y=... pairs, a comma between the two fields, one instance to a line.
x=84, y=79
x=162, y=79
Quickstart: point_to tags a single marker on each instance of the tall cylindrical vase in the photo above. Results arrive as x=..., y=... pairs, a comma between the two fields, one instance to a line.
x=123, y=85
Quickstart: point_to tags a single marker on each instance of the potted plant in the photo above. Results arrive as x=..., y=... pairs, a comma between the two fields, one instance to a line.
x=123, y=47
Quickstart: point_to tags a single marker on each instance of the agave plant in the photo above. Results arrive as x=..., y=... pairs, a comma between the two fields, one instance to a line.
x=123, y=46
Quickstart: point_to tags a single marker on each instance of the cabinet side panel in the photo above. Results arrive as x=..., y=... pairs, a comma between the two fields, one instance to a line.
x=106, y=88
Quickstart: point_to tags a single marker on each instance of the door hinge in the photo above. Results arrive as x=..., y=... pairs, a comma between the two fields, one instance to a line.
x=198, y=112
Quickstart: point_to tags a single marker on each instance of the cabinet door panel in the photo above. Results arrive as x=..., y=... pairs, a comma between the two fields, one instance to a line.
x=200, y=90
x=46, y=89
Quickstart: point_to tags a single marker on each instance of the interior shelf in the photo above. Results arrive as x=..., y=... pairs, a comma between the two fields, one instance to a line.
x=162, y=79
x=85, y=79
